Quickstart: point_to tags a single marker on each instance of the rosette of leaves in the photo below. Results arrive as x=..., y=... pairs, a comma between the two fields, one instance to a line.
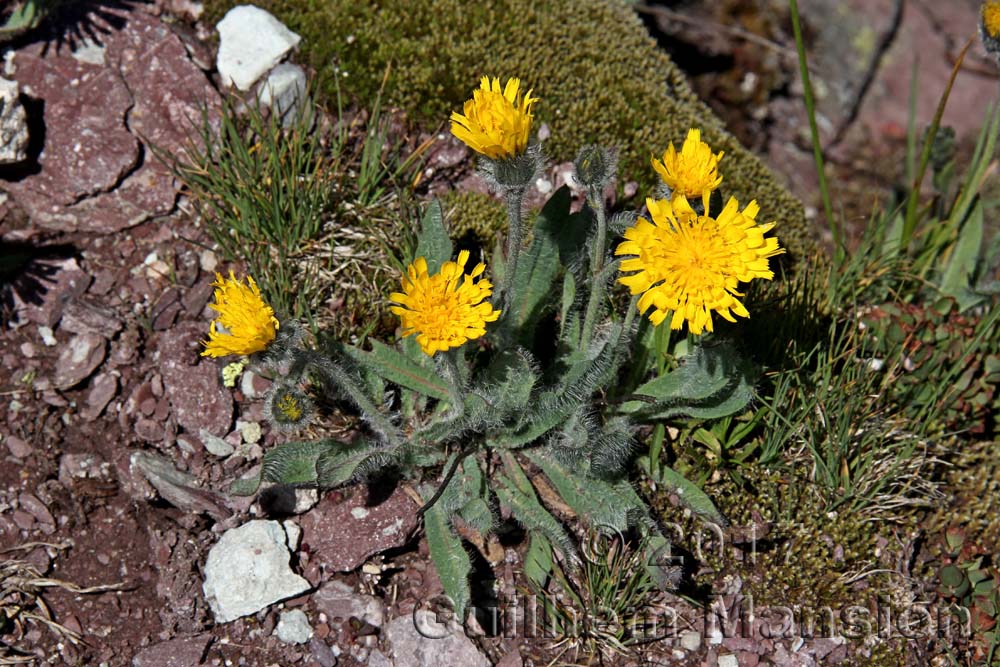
x=538, y=407
x=967, y=581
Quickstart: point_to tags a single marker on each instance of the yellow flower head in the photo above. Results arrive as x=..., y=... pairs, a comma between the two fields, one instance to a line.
x=290, y=407
x=445, y=309
x=245, y=324
x=691, y=265
x=495, y=123
x=991, y=18
x=692, y=172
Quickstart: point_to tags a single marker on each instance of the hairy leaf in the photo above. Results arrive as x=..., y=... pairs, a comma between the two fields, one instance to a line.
x=478, y=515
x=433, y=242
x=341, y=465
x=396, y=367
x=568, y=299
x=554, y=406
x=450, y=558
x=689, y=493
x=960, y=272
x=603, y=504
x=294, y=463
x=530, y=513
x=561, y=228
x=711, y=382
x=612, y=449
x=538, y=560
x=537, y=268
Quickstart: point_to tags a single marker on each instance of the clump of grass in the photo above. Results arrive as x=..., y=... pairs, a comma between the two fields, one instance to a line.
x=309, y=204
x=264, y=192
x=606, y=608
x=858, y=446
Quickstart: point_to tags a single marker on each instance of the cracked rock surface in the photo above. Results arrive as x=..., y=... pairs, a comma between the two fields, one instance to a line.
x=102, y=108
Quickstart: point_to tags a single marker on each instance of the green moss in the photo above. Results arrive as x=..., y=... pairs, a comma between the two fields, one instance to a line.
x=973, y=484
x=475, y=217
x=600, y=77
x=797, y=553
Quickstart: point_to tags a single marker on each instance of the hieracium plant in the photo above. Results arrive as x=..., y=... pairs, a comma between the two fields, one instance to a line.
x=493, y=395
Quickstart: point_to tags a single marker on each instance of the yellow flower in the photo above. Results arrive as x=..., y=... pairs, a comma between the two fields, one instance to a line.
x=446, y=309
x=289, y=407
x=692, y=172
x=991, y=18
x=495, y=123
x=691, y=265
x=244, y=325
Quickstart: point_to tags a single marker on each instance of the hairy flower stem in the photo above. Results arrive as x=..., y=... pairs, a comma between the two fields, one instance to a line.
x=336, y=375
x=661, y=341
x=450, y=371
x=515, y=200
x=595, y=199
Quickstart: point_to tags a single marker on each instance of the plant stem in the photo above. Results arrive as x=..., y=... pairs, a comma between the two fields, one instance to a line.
x=595, y=199
x=352, y=391
x=444, y=483
x=800, y=46
x=450, y=371
x=661, y=339
x=515, y=199
x=910, y=221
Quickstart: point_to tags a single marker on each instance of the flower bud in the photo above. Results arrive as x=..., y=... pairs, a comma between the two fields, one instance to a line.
x=595, y=167
x=989, y=26
x=288, y=408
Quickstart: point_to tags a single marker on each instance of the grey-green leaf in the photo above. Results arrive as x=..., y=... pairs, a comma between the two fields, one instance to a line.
x=959, y=273
x=689, y=493
x=450, y=558
x=604, y=504
x=433, y=242
x=339, y=465
x=294, y=463
x=398, y=368
x=711, y=382
x=538, y=560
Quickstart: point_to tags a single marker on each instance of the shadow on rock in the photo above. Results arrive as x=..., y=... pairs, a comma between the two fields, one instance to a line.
x=26, y=272
x=72, y=23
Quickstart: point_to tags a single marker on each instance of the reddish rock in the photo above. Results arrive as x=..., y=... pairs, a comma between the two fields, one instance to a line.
x=73, y=467
x=23, y=520
x=192, y=383
x=18, y=448
x=339, y=601
x=149, y=430
x=842, y=48
x=37, y=509
x=79, y=358
x=96, y=175
x=80, y=315
x=102, y=390
x=60, y=282
x=181, y=652
x=165, y=310
x=87, y=149
x=198, y=297
x=342, y=535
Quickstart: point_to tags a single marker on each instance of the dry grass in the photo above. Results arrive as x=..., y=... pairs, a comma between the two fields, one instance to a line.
x=23, y=606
